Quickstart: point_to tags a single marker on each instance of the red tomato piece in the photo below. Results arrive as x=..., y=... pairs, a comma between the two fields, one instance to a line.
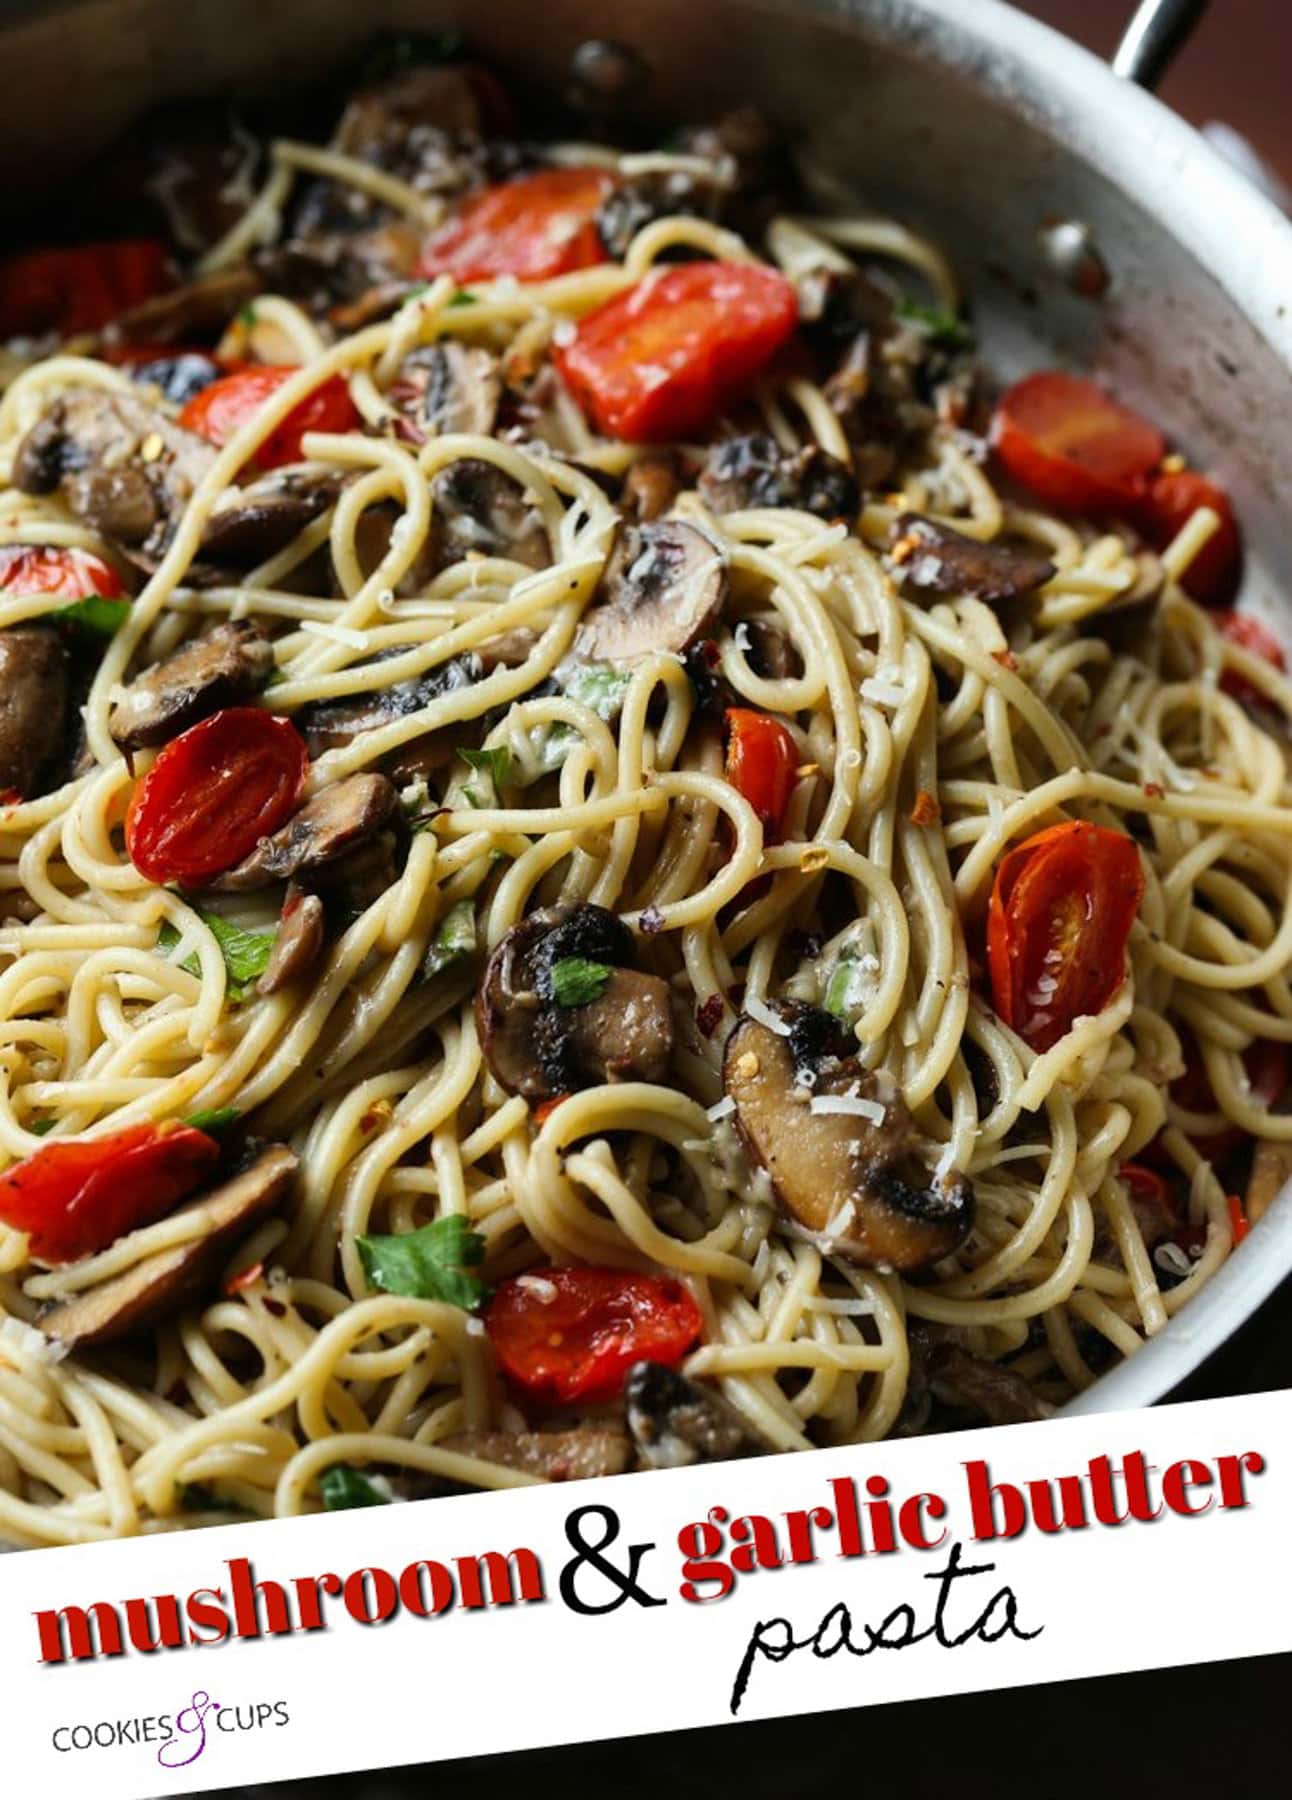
x=79, y=1196
x=1058, y=923
x=68, y=574
x=1239, y=1223
x=534, y=227
x=1249, y=634
x=663, y=359
x=573, y=1334
x=213, y=793
x=762, y=764
x=1168, y=506
x=1073, y=445
x=71, y=290
x=223, y=408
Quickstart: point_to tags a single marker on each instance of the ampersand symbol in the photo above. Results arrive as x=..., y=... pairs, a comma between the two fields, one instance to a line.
x=626, y=1584
x=190, y=1720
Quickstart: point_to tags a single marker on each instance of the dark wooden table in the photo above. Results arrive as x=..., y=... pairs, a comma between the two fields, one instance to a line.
x=1217, y=1729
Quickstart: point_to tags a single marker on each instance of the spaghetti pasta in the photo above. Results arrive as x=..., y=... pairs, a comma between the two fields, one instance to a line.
x=931, y=731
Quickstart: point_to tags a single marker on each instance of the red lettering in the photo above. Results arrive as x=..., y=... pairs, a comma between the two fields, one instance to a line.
x=983, y=1497
x=370, y=1596
x=1177, y=1481
x=910, y=1521
x=426, y=1588
x=1231, y=1470
x=212, y=1615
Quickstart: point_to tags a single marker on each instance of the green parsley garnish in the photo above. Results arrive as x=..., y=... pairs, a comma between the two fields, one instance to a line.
x=246, y=953
x=215, y=1121
x=343, y=1487
x=943, y=328
x=455, y=938
x=576, y=980
x=95, y=615
x=435, y=1263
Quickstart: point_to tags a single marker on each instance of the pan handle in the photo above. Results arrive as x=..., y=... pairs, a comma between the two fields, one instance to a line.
x=1151, y=40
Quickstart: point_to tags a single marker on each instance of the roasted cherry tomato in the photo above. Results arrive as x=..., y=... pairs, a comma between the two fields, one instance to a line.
x=573, y=1334
x=223, y=408
x=534, y=227
x=663, y=359
x=1249, y=634
x=1267, y=1065
x=77, y=1197
x=213, y=793
x=79, y=289
x=1060, y=916
x=69, y=574
x=762, y=759
x=1239, y=1223
x=1168, y=505
x=1073, y=445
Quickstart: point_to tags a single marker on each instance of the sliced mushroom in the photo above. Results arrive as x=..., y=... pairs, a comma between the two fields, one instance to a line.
x=944, y=1371
x=198, y=309
x=34, y=706
x=662, y=591
x=632, y=205
x=479, y=510
x=177, y=378
x=226, y=666
x=937, y=560
x=161, y=1284
x=331, y=724
x=580, y=1454
x=754, y=471
x=337, y=819
x=298, y=942
x=676, y=1422
x=839, y=1146
x=262, y=519
x=1271, y=1172
x=537, y=1047
x=652, y=485
x=448, y=387
x=119, y=463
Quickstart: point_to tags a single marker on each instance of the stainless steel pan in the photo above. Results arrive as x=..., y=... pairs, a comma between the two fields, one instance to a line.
x=1089, y=223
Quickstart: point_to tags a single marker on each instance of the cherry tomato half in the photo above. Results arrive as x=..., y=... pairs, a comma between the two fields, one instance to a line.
x=1168, y=505
x=70, y=290
x=79, y=1196
x=68, y=574
x=533, y=228
x=663, y=359
x=1073, y=445
x=573, y=1334
x=762, y=760
x=213, y=793
x=1060, y=916
x=1249, y=634
x=219, y=411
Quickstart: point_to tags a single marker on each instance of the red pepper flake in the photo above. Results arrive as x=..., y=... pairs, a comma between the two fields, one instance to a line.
x=1155, y=790
x=926, y=810
x=545, y=1108
x=1006, y=659
x=10, y=797
x=245, y=1278
x=710, y=652
x=708, y=1015
x=277, y=1308
x=1239, y=1223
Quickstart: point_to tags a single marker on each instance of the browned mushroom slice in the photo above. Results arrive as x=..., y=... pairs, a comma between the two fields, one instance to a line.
x=652, y=485
x=161, y=1284
x=840, y=1154
x=331, y=724
x=936, y=560
x=33, y=706
x=298, y=943
x=1271, y=1172
x=536, y=1044
x=264, y=518
x=449, y=387
x=229, y=664
x=325, y=828
x=479, y=510
x=579, y=1454
x=676, y=1422
x=119, y=463
x=663, y=589
x=755, y=472
x=199, y=309
x=996, y=1393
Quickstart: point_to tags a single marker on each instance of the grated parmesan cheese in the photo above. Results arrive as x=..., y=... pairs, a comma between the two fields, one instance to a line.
x=25, y=1341
x=853, y=1105
x=883, y=693
x=721, y=1108
x=759, y=1010
x=544, y=1291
